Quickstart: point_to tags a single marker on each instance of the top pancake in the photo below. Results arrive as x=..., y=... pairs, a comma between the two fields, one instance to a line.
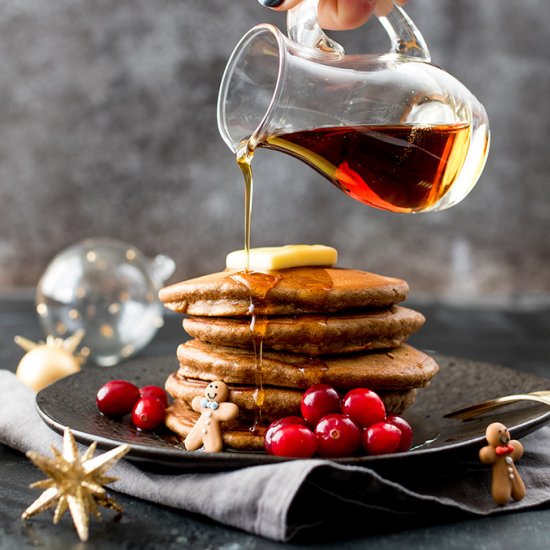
x=285, y=292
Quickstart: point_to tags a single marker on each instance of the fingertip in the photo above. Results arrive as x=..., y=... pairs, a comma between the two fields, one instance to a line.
x=338, y=15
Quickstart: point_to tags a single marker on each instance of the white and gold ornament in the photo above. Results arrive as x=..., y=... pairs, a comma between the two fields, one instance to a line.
x=46, y=362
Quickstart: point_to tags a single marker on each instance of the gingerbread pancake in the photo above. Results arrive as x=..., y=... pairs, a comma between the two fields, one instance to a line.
x=276, y=402
x=291, y=291
x=312, y=334
x=180, y=418
x=401, y=367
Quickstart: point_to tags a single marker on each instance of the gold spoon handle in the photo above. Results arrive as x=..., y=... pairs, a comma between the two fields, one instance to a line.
x=475, y=410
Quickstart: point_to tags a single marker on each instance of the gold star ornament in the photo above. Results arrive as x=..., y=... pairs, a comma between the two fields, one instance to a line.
x=75, y=483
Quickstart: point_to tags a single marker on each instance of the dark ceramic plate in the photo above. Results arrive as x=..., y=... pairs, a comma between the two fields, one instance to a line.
x=460, y=382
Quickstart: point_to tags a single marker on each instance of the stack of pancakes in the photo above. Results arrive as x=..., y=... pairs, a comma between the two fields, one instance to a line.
x=270, y=336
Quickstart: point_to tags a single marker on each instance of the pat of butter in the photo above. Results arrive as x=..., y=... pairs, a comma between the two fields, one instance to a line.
x=273, y=258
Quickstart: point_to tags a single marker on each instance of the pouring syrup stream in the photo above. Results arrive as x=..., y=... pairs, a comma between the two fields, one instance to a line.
x=258, y=284
x=245, y=155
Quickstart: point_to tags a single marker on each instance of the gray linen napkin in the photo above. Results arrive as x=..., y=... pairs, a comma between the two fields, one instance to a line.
x=277, y=501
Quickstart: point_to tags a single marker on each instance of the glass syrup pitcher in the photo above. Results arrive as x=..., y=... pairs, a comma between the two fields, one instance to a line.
x=391, y=130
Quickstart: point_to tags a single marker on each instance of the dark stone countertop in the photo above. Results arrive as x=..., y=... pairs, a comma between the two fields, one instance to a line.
x=514, y=338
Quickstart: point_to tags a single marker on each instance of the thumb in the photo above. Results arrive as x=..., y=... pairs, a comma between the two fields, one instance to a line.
x=332, y=14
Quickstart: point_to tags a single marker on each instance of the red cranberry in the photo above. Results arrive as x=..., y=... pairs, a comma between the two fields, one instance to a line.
x=117, y=398
x=293, y=440
x=381, y=438
x=154, y=391
x=364, y=407
x=406, y=432
x=338, y=436
x=148, y=413
x=318, y=401
x=277, y=424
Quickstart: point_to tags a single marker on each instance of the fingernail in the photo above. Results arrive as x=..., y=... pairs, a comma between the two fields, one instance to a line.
x=271, y=3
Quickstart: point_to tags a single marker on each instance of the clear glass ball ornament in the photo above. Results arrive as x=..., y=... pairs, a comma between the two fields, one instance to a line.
x=109, y=289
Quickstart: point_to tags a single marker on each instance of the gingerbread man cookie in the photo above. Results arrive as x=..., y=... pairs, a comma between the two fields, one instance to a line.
x=213, y=410
x=502, y=452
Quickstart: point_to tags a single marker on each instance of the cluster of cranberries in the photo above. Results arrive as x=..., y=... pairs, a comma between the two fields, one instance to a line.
x=147, y=404
x=334, y=427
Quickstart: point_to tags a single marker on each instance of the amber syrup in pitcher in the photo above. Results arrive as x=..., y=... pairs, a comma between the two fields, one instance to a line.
x=400, y=168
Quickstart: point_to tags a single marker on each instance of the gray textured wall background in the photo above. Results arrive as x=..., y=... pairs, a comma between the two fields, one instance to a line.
x=108, y=128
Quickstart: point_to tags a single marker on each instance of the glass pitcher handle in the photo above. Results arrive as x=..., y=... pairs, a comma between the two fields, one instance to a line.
x=303, y=27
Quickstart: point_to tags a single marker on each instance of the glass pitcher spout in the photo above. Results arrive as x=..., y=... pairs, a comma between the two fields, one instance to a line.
x=390, y=130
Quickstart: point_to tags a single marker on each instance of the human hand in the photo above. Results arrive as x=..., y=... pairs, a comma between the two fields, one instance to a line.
x=339, y=14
